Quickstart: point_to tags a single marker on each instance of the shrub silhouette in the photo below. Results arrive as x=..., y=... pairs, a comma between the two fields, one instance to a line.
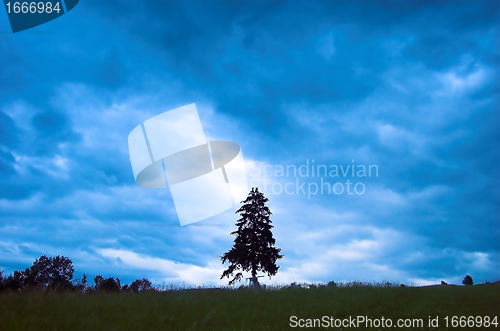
x=82, y=284
x=108, y=284
x=140, y=285
x=467, y=280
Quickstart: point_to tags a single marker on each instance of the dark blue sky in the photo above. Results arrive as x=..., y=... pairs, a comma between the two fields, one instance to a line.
x=409, y=86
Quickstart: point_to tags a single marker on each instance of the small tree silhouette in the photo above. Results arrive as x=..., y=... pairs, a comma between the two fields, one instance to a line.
x=108, y=284
x=467, y=280
x=253, y=249
x=54, y=272
x=141, y=285
x=82, y=285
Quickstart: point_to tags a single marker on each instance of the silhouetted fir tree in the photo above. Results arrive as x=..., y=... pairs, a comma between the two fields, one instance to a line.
x=253, y=249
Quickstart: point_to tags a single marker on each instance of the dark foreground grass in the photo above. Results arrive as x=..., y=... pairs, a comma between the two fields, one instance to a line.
x=243, y=309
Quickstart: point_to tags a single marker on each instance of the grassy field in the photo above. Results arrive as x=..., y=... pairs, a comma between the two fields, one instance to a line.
x=243, y=309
